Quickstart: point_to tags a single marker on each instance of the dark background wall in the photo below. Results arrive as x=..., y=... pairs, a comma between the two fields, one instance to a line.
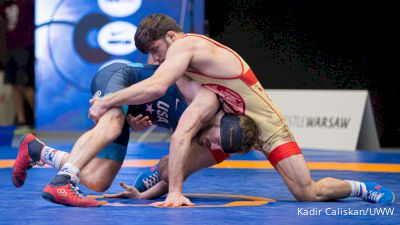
x=317, y=45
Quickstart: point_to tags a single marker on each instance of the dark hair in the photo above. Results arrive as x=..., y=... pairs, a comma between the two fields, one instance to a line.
x=154, y=27
x=250, y=133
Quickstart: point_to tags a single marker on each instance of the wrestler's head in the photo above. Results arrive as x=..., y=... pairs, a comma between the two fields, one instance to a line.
x=232, y=133
x=155, y=34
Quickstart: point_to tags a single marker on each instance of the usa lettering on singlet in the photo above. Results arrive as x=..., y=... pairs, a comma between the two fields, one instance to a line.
x=162, y=112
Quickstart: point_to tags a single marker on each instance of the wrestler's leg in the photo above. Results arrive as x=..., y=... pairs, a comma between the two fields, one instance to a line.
x=62, y=189
x=98, y=174
x=291, y=165
x=104, y=133
x=100, y=171
x=297, y=177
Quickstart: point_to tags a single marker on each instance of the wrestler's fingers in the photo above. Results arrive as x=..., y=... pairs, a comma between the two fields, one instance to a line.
x=189, y=203
x=118, y=195
x=128, y=118
x=125, y=186
x=138, y=117
x=133, y=119
x=157, y=204
x=145, y=121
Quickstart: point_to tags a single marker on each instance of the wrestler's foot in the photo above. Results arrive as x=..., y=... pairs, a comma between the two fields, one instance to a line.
x=61, y=190
x=378, y=194
x=147, y=179
x=28, y=155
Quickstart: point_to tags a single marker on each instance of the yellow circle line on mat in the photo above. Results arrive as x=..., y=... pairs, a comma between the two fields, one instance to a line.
x=262, y=164
x=248, y=201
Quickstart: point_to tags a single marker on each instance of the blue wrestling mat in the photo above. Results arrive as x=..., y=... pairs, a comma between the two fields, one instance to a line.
x=242, y=190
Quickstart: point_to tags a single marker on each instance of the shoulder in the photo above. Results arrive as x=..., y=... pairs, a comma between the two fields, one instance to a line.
x=192, y=42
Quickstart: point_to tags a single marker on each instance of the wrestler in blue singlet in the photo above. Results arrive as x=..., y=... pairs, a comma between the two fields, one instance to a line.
x=164, y=112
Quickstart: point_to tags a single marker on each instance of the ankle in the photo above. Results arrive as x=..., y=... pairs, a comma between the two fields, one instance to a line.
x=71, y=170
x=35, y=150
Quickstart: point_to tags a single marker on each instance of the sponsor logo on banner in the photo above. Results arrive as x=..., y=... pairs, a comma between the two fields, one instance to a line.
x=323, y=119
x=117, y=38
x=119, y=8
x=323, y=122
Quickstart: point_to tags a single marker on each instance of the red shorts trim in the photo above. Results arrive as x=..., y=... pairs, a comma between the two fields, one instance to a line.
x=219, y=155
x=283, y=151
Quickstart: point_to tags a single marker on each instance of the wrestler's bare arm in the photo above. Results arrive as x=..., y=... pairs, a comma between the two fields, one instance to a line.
x=202, y=109
x=156, y=191
x=173, y=68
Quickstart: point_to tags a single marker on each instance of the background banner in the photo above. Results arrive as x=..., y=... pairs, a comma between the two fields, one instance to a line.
x=73, y=39
x=329, y=119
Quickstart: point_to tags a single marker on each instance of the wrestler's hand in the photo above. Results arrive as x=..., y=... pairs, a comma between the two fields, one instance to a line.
x=138, y=122
x=93, y=100
x=96, y=110
x=174, y=199
x=130, y=192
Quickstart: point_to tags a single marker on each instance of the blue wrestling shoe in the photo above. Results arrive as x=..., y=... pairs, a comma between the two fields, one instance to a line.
x=147, y=179
x=378, y=194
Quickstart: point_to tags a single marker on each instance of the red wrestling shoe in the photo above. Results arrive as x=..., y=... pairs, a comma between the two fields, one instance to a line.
x=61, y=190
x=28, y=155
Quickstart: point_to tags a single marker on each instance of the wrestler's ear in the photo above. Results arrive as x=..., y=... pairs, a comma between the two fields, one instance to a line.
x=171, y=36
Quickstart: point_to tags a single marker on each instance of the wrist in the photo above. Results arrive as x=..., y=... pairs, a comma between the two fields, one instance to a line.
x=140, y=196
x=103, y=103
x=175, y=190
x=175, y=193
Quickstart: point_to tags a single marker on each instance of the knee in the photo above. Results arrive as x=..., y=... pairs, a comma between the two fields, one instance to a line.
x=306, y=192
x=97, y=185
x=116, y=122
x=113, y=123
x=113, y=132
x=306, y=197
x=315, y=191
x=324, y=186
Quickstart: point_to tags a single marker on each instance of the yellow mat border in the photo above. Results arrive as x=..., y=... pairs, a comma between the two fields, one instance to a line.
x=261, y=164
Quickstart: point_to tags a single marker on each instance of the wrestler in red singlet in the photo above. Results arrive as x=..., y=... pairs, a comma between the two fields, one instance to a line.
x=243, y=94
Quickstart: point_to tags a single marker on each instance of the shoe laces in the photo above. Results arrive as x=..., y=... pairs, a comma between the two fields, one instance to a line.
x=151, y=180
x=76, y=190
x=35, y=163
x=374, y=196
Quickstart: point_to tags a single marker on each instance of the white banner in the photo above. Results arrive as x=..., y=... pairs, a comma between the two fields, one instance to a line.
x=328, y=119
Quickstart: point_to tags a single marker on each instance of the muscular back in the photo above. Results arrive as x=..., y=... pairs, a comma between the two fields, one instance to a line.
x=212, y=58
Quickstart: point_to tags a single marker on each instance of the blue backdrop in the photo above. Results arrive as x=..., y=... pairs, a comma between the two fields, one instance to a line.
x=74, y=39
